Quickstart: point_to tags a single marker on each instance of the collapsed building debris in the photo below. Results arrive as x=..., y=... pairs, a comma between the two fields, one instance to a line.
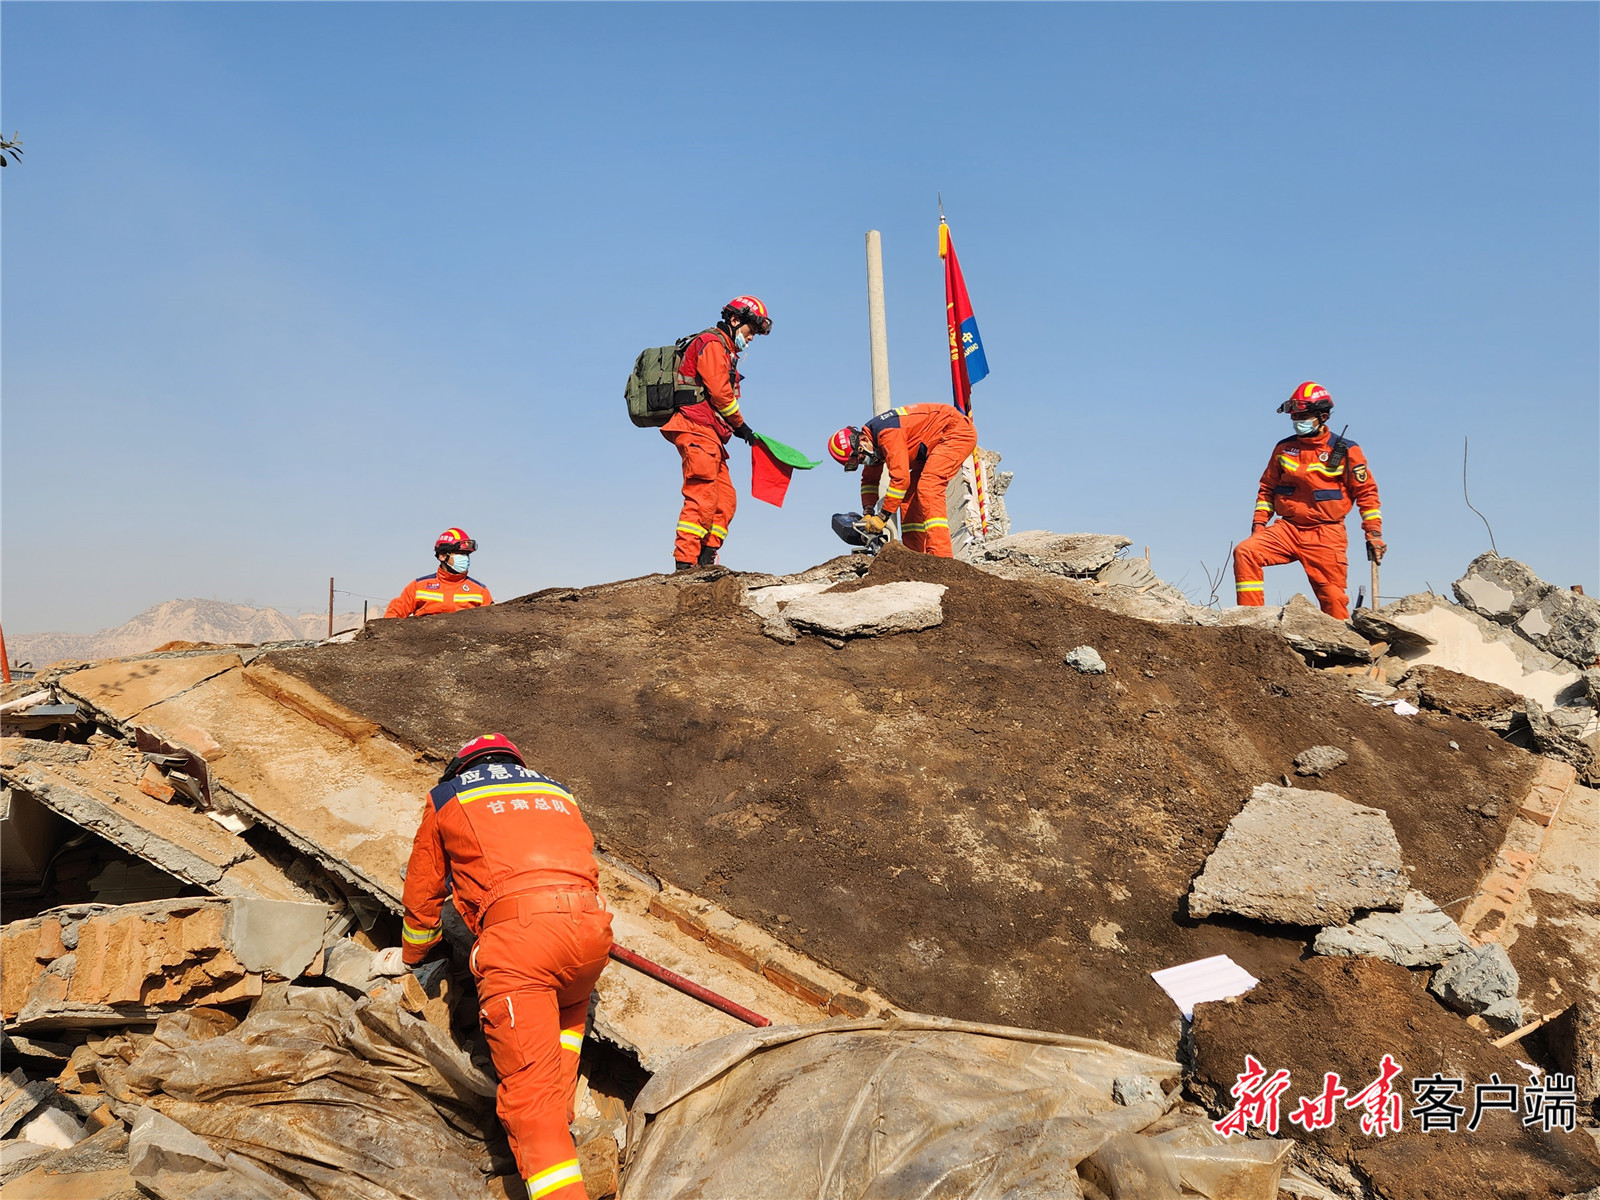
x=943, y=820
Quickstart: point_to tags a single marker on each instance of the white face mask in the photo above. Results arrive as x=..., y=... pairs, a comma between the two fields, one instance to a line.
x=1306, y=428
x=458, y=563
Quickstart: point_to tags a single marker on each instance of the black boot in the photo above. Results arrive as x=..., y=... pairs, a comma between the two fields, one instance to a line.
x=708, y=557
x=681, y=566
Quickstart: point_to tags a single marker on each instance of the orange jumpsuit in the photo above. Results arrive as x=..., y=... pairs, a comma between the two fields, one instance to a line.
x=1310, y=499
x=923, y=446
x=443, y=591
x=700, y=432
x=520, y=860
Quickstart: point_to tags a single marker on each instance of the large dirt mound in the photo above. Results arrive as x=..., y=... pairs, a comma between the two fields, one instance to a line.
x=953, y=816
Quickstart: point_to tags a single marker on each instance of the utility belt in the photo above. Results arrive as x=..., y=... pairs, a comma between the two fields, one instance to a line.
x=558, y=898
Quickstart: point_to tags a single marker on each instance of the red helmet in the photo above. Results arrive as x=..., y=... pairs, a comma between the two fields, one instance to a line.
x=478, y=747
x=747, y=310
x=454, y=541
x=845, y=446
x=1309, y=399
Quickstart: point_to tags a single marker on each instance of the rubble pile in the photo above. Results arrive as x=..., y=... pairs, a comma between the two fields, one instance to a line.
x=1002, y=794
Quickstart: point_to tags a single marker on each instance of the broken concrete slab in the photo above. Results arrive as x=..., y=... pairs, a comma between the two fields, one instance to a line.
x=1302, y=858
x=1463, y=641
x=275, y=937
x=52, y=1127
x=1305, y=627
x=1447, y=691
x=17, y=1156
x=877, y=611
x=1319, y=760
x=1556, y=619
x=1553, y=935
x=21, y=749
x=1419, y=935
x=1077, y=555
x=1560, y=734
x=19, y=1097
x=177, y=840
x=1086, y=660
x=123, y=689
x=1480, y=980
x=768, y=602
x=94, y=965
x=1129, y=1090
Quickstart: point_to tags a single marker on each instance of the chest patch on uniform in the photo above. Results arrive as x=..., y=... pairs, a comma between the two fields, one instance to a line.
x=1323, y=457
x=1361, y=473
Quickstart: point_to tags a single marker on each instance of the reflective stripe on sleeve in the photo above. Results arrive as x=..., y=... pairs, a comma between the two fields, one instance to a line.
x=557, y=1176
x=1372, y=514
x=418, y=937
x=1263, y=506
x=571, y=1039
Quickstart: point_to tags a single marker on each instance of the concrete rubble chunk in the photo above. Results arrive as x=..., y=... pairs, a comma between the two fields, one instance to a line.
x=1479, y=979
x=877, y=611
x=1077, y=555
x=1560, y=734
x=17, y=1156
x=1419, y=935
x=1129, y=1090
x=768, y=603
x=1555, y=619
x=20, y=749
x=52, y=1127
x=1319, y=760
x=1086, y=660
x=1305, y=627
x=133, y=962
x=1302, y=858
x=1458, y=695
x=1501, y=589
x=1458, y=639
x=350, y=964
x=19, y=1097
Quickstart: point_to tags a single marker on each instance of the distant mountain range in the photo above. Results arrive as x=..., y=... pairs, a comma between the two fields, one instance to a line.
x=176, y=621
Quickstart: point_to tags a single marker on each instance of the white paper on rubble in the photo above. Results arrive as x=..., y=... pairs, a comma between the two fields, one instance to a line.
x=1215, y=978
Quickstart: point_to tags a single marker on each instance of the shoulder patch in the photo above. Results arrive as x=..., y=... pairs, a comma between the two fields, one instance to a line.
x=1361, y=472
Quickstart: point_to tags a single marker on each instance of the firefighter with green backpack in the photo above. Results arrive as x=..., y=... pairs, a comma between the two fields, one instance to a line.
x=690, y=391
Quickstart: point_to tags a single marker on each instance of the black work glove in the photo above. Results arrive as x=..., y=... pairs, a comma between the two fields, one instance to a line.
x=745, y=434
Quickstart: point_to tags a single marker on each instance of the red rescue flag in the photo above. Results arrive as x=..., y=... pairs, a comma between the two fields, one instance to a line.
x=772, y=464
x=967, y=362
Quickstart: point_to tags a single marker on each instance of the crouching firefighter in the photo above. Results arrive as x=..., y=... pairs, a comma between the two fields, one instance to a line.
x=1311, y=483
x=520, y=861
x=923, y=447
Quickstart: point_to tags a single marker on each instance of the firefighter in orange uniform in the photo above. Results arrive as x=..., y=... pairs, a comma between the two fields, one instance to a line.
x=450, y=588
x=700, y=431
x=519, y=859
x=922, y=446
x=1313, y=480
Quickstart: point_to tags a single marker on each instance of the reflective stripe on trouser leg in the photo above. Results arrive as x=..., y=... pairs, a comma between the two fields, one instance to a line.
x=549, y=1182
x=534, y=982
x=701, y=454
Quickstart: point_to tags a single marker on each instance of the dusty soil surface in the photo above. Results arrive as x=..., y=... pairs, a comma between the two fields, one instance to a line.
x=1343, y=1015
x=952, y=816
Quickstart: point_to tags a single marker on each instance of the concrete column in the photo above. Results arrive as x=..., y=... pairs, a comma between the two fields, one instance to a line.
x=877, y=326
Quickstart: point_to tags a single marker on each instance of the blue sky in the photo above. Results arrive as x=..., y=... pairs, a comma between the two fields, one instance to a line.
x=288, y=289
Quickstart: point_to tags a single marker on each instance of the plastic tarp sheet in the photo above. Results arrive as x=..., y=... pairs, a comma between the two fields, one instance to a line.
x=332, y=1097
x=914, y=1106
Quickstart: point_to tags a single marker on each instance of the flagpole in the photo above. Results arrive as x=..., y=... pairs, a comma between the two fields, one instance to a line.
x=877, y=325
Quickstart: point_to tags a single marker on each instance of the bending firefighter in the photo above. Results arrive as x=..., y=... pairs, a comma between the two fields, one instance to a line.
x=519, y=859
x=700, y=431
x=1313, y=480
x=449, y=588
x=923, y=447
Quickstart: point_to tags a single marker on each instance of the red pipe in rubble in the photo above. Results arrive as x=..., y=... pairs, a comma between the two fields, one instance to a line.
x=687, y=986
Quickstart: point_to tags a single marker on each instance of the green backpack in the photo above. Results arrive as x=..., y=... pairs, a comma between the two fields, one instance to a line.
x=655, y=390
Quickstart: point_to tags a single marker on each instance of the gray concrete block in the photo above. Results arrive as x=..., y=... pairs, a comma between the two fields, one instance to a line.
x=1072, y=554
x=1474, y=980
x=1136, y=1089
x=279, y=936
x=1419, y=935
x=1319, y=760
x=1302, y=858
x=877, y=611
x=1086, y=660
